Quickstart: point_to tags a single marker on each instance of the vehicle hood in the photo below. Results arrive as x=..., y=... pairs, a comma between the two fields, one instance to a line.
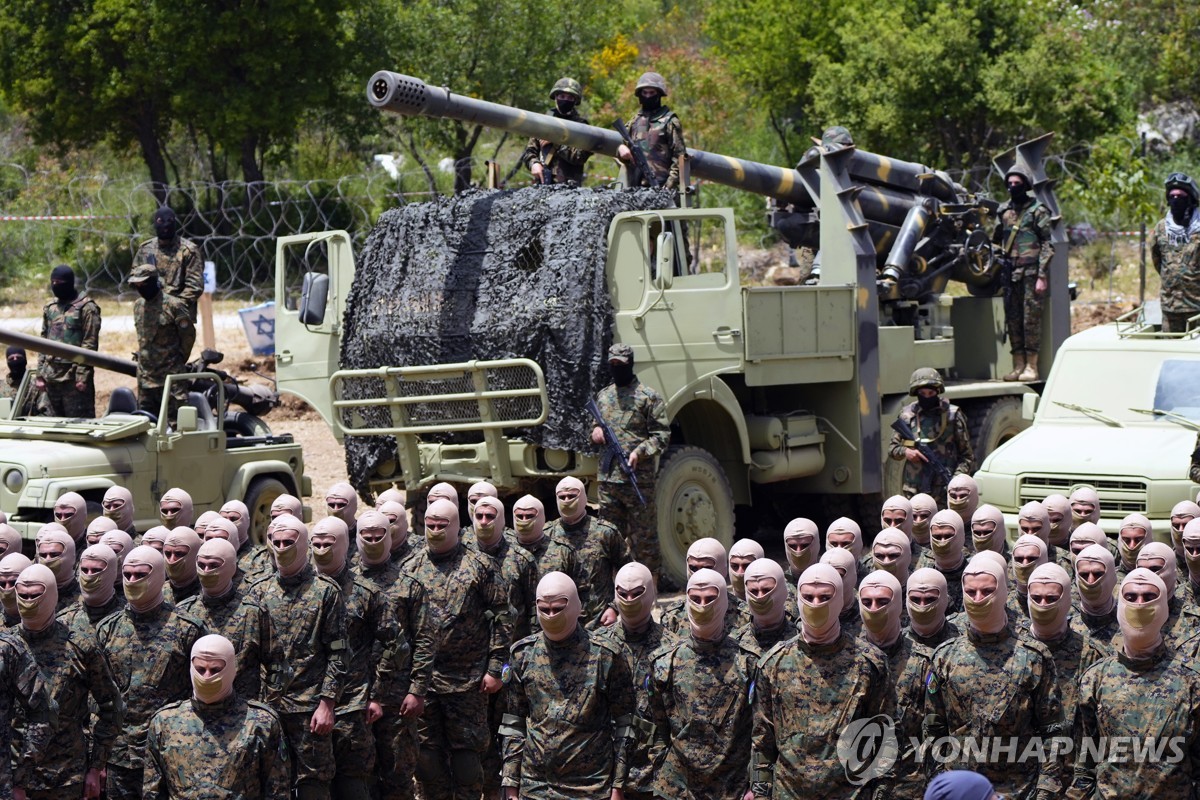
x=64, y=459
x=1155, y=452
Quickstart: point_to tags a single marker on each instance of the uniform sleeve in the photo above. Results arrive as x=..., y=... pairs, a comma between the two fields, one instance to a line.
x=333, y=638
x=110, y=709
x=390, y=655
x=496, y=598
x=656, y=677
x=187, y=331
x=512, y=724
x=765, y=752
x=154, y=782
x=658, y=431
x=574, y=155
x=89, y=314
x=934, y=725
x=1194, y=469
x=678, y=148
x=962, y=442
x=1050, y=724
x=255, y=626
x=25, y=684
x=193, y=276
x=1083, y=782
x=1044, y=227
x=532, y=153
x=622, y=703
x=420, y=632
x=897, y=448
x=276, y=771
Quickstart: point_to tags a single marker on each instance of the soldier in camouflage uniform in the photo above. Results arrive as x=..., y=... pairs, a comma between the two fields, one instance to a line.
x=941, y=426
x=570, y=721
x=549, y=554
x=70, y=318
x=224, y=608
x=807, y=689
x=216, y=744
x=74, y=668
x=11, y=567
x=655, y=130
x=180, y=550
x=947, y=545
x=558, y=163
x=988, y=532
x=637, y=415
x=148, y=645
x=20, y=680
x=35, y=401
x=1095, y=586
x=700, y=699
x=641, y=636
x=118, y=506
x=989, y=684
x=1146, y=690
x=927, y=597
x=470, y=607
x=176, y=259
x=705, y=553
x=1023, y=235
x=99, y=571
x=962, y=495
x=166, y=333
x=844, y=564
x=305, y=661
x=802, y=548
x=1029, y=553
x=1173, y=247
x=767, y=600
x=742, y=554
x=56, y=550
x=599, y=550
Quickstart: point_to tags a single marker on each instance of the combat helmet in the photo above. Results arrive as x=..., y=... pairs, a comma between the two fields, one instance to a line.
x=836, y=135
x=925, y=378
x=651, y=80
x=567, y=86
x=1017, y=169
x=1178, y=180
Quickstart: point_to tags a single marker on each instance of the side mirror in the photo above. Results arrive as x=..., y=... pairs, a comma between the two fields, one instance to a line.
x=314, y=295
x=664, y=260
x=187, y=419
x=1029, y=404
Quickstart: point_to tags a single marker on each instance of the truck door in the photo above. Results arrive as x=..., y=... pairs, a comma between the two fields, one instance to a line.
x=190, y=459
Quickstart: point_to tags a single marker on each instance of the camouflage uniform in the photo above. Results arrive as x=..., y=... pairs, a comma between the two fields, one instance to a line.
x=255, y=561
x=948, y=631
x=1156, y=696
x=564, y=163
x=637, y=414
x=674, y=616
x=304, y=663
x=77, y=323
x=700, y=704
x=947, y=434
x=570, y=722
x=234, y=748
x=244, y=623
x=908, y=664
x=1175, y=262
x=36, y=403
x=641, y=646
x=997, y=686
x=150, y=655
x=470, y=610
x=600, y=552
x=20, y=680
x=180, y=268
x=764, y=639
x=178, y=594
x=79, y=616
x=804, y=695
x=165, y=337
x=659, y=135
x=1024, y=234
x=74, y=667
x=551, y=555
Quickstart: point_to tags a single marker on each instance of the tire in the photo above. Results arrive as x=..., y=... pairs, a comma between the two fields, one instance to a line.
x=693, y=500
x=261, y=495
x=992, y=423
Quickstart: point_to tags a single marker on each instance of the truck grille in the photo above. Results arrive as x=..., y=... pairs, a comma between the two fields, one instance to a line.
x=1123, y=495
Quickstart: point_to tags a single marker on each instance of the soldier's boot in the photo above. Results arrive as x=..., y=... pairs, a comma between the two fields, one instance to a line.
x=1030, y=373
x=1018, y=367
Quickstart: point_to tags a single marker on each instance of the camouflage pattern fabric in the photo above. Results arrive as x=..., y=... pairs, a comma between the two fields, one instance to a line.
x=178, y=594
x=21, y=685
x=751, y=635
x=700, y=704
x=908, y=664
x=165, y=337
x=674, y=617
x=84, y=618
x=947, y=434
x=996, y=685
x=565, y=163
x=77, y=323
x=641, y=646
x=517, y=570
x=180, y=268
x=1176, y=263
x=1031, y=251
x=1156, y=696
x=659, y=135
x=551, y=555
x=804, y=695
x=245, y=624
x=231, y=749
x=570, y=722
x=149, y=653
x=36, y=403
x=74, y=668
x=1023, y=315
x=1194, y=467
x=599, y=552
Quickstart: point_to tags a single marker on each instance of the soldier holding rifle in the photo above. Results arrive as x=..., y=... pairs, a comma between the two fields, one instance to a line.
x=932, y=438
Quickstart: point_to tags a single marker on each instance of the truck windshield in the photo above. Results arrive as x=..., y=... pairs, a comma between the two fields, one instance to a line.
x=1116, y=383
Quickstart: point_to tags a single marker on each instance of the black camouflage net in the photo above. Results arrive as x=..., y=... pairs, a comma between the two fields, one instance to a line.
x=487, y=275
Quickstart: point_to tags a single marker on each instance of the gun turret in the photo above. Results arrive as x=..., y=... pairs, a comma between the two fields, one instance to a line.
x=69, y=352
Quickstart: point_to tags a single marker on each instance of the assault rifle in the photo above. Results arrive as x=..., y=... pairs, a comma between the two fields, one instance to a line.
x=644, y=173
x=613, y=451
x=901, y=427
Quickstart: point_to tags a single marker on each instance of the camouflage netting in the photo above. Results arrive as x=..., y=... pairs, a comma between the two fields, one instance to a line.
x=488, y=275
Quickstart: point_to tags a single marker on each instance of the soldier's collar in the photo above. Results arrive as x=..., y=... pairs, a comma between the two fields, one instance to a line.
x=979, y=637
x=1143, y=663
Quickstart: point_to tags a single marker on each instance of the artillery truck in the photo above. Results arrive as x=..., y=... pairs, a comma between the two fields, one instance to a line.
x=214, y=456
x=775, y=394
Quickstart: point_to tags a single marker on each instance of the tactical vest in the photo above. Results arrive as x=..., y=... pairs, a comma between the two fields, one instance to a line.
x=651, y=135
x=67, y=326
x=1025, y=247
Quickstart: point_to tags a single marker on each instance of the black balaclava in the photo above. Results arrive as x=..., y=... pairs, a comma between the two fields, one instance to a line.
x=17, y=361
x=62, y=283
x=166, y=224
x=622, y=374
x=1181, y=205
x=148, y=288
x=928, y=403
x=565, y=105
x=1019, y=193
x=651, y=104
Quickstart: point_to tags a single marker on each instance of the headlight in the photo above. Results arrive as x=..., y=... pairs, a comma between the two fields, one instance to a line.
x=14, y=480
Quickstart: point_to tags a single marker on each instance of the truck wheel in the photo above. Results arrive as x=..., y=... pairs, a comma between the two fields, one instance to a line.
x=259, y=498
x=993, y=423
x=693, y=501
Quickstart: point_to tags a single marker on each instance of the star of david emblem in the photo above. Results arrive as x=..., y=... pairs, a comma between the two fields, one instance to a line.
x=264, y=325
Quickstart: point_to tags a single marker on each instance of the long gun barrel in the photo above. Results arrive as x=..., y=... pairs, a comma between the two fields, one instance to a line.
x=68, y=352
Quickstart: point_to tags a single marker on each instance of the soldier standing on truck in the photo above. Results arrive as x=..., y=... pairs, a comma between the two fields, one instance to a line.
x=165, y=334
x=638, y=416
x=556, y=163
x=177, y=260
x=71, y=318
x=657, y=132
x=1173, y=250
x=35, y=401
x=1023, y=234
x=938, y=424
